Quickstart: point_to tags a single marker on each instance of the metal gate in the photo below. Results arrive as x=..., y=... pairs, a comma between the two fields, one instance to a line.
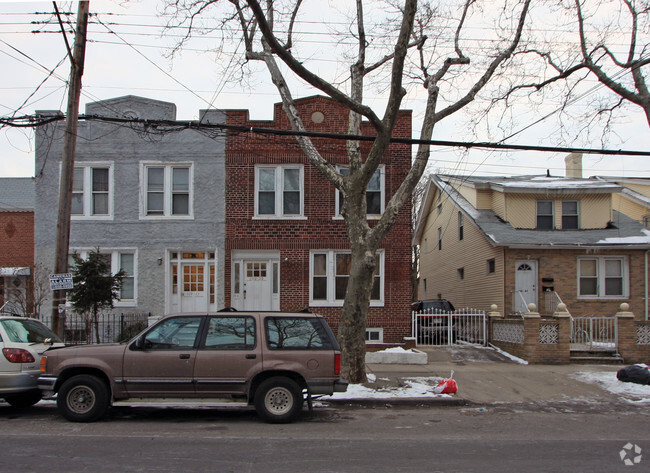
x=462, y=327
x=594, y=333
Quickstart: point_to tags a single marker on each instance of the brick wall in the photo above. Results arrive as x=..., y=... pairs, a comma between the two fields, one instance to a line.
x=16, y=243
x=320, y=230
x=17, y=239
x=561, y=265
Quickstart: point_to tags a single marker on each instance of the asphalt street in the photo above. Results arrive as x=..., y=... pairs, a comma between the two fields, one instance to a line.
x=339, y=438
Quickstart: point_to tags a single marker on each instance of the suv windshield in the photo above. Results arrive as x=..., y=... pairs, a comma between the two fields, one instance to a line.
x=28, y=331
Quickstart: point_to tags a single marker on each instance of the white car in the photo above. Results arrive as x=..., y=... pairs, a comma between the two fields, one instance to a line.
x=23, y=341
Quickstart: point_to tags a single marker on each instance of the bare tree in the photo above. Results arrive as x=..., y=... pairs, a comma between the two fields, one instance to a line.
x=451, y=79
x=607, y=40
x=32, y=300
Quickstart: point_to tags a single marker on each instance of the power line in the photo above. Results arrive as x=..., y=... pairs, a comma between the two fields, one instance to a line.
x=29, y=121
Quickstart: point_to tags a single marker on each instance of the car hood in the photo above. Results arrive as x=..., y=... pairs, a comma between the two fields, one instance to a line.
x=41, y=348
x=86, y=350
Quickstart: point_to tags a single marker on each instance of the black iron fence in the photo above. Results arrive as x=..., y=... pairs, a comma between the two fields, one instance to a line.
x=107, y=328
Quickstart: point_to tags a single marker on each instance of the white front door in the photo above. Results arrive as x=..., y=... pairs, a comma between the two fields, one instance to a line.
x=256, y=283
x=257, y=286
x=191, y=281
x=193, y=288
x=525, y=285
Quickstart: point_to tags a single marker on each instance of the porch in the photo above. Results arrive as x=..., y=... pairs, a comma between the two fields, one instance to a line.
x=560, y=338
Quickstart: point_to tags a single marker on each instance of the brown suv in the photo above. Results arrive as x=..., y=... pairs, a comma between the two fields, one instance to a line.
x=266, y=359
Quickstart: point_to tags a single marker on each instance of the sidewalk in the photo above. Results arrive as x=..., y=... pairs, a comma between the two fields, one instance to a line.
x=484, y=377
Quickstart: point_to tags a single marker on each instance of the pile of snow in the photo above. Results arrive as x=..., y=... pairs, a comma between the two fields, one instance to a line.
x=397, y=355
x=421, y=387
x=631, y=392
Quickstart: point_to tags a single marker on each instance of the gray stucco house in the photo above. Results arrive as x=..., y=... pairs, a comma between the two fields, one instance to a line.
x=149, y=196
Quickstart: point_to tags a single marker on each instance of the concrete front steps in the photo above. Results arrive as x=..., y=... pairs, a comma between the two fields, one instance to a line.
x=596, y=357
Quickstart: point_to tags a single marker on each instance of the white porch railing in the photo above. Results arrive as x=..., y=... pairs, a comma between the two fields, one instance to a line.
x=551, y=301
x=594, y=333
x=519, y=304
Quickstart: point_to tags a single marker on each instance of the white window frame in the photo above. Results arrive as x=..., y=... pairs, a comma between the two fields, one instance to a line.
x=167, y=190
x=381, y=169
x=601, y=264
x=377, y=330
x=115, y=254
x=551, y=215
x=331, y=300
x=576, y=215
x=279, y=192
x=87, y=199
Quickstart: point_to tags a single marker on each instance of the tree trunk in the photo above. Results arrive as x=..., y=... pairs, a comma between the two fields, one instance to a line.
x=352, y=328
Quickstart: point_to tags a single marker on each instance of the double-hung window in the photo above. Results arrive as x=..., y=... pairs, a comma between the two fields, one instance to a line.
x=570, y=215
x=119, y=260
x=330, y=273
x=279, y=191
x=375, y=193
x=602, y=277
x=168, y=190
x=545, y=217
x=92, y=191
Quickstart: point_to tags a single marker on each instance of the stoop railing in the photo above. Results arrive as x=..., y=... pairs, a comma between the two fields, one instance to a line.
x=594, y=333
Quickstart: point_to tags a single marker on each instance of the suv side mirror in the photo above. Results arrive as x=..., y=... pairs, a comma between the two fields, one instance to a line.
x=138, y=344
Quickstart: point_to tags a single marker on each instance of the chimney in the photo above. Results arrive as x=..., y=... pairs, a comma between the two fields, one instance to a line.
x=573, y=163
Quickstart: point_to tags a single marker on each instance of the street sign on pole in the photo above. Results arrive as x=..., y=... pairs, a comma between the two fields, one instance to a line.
x=61, y=281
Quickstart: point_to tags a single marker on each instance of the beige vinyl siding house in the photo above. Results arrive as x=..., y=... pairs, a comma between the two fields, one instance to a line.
x=532, y=239
x=454, y=266
x=634, y=200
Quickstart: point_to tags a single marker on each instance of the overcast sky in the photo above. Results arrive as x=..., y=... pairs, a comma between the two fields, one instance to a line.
x=127, y=55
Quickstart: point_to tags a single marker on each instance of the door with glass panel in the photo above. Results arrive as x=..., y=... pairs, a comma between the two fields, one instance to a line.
x=192, y=281
x=256, y=284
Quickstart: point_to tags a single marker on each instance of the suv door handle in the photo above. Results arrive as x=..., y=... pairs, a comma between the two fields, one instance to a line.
x=251, y=356
x=184, y=356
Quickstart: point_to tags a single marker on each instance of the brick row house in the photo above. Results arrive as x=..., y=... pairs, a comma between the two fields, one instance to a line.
x=512, y=241
x=200, y=220
x=17, y=245
x=286, y=243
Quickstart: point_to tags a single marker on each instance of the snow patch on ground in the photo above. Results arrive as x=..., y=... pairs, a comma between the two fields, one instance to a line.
x=630, y=392
x=509, y=356
x=421, y=387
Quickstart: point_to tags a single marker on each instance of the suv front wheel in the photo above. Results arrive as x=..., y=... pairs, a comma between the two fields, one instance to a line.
x=278, y=400
x=83, y=398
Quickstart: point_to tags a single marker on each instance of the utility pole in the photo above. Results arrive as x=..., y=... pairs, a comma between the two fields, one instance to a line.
x=67, y=162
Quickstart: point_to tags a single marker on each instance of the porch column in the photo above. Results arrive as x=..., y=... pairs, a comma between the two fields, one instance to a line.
x=626, y=331
x=532, y=320
x=493, y=315
x=563, y=318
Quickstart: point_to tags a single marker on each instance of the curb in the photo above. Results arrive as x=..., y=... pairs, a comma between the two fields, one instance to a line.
x=399, y=401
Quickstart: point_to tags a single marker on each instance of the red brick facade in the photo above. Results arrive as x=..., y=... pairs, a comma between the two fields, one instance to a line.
x=16, y=243
x=319, y=229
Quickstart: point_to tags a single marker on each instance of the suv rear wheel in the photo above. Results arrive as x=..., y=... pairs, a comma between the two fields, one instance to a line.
x=83, y=398
x=278, y=400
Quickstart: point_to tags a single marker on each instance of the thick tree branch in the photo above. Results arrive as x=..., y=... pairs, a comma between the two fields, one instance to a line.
x=305, y=73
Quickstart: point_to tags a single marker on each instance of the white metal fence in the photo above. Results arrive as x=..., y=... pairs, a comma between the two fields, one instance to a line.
x=462, y=327
x=594, y=333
